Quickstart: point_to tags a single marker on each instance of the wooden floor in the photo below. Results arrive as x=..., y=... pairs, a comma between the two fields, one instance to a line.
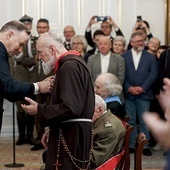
x=32, y=160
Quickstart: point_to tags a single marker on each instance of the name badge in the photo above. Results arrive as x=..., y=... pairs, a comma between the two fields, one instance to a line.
x=108, y=124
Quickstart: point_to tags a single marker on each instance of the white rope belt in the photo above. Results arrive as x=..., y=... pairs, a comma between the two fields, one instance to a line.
x=77, y=120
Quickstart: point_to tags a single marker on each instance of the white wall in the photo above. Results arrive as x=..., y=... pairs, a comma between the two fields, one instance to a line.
x=77, y=13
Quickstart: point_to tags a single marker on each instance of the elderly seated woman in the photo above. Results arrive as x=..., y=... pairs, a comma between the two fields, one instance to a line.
x=109, y=88
x=119, y=43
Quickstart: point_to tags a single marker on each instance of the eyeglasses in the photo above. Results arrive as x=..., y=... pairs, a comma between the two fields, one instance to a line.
x=138, y=41
x=39, y=52
x=65, y=32
x=78, y=43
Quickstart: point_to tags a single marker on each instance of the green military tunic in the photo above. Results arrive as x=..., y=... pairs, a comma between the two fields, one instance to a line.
x=109, y=133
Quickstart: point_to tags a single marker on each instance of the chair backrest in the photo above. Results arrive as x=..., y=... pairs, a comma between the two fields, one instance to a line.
x=125, y=162
x=140, y=142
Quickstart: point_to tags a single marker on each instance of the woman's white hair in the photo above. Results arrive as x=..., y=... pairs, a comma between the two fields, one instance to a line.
x=81, y=38
x=120, y=38
x=111, y=84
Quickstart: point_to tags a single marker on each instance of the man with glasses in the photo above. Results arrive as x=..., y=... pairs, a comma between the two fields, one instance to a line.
x=140, y=73
x=68, y=34
x=107, y=27
x=42, y=26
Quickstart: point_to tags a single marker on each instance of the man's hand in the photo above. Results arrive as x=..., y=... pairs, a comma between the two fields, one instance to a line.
x=145, y=27
x=44, y=139
x=111, y=22
x=46, y=85
x=31, y=108
x=92, y=21
x=132, y=90
x=139, y=90
x=135, y=90
x=137, y=25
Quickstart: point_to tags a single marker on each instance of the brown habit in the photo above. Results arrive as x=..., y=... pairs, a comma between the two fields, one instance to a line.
x=72, y=97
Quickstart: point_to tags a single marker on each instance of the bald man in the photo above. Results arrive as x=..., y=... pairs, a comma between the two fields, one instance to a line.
x=68, y=34
x=106, y=61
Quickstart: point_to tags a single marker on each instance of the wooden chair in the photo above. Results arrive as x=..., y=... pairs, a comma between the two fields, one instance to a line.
x=140, y=142
x=125, y=162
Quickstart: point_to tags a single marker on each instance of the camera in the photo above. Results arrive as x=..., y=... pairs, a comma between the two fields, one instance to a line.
x=101, y=18
x=139, y=18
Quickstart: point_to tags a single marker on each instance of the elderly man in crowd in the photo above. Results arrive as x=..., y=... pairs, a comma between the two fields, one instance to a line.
x=68, y=34
x=106, y=61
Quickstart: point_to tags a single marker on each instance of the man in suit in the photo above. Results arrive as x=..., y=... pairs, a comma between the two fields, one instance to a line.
x=25, y=68
x=141, y=72
x=107, y=27
x=13, y=36
x=68, y=34
x=108, y=134
x=106, y=61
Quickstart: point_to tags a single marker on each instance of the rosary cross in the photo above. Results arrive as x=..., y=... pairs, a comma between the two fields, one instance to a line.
x=57, y=164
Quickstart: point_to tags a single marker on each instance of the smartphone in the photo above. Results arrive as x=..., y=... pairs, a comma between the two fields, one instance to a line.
x=101, y=18
x=139, y=18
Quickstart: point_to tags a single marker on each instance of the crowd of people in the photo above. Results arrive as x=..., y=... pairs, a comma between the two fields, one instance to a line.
x=82, y=127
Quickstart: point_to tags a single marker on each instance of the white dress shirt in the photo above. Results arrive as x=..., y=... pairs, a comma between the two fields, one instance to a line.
x=136, y=58
x=105, y=62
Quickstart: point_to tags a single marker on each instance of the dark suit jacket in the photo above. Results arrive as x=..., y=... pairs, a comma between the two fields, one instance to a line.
x=10, y=89
x=144, y=76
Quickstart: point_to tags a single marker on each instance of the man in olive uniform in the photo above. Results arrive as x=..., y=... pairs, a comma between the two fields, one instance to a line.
x=26, y=69
x=108, y=134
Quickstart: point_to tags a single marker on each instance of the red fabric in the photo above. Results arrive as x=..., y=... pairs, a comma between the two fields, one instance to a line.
x=73, y=52
x=112, y=163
